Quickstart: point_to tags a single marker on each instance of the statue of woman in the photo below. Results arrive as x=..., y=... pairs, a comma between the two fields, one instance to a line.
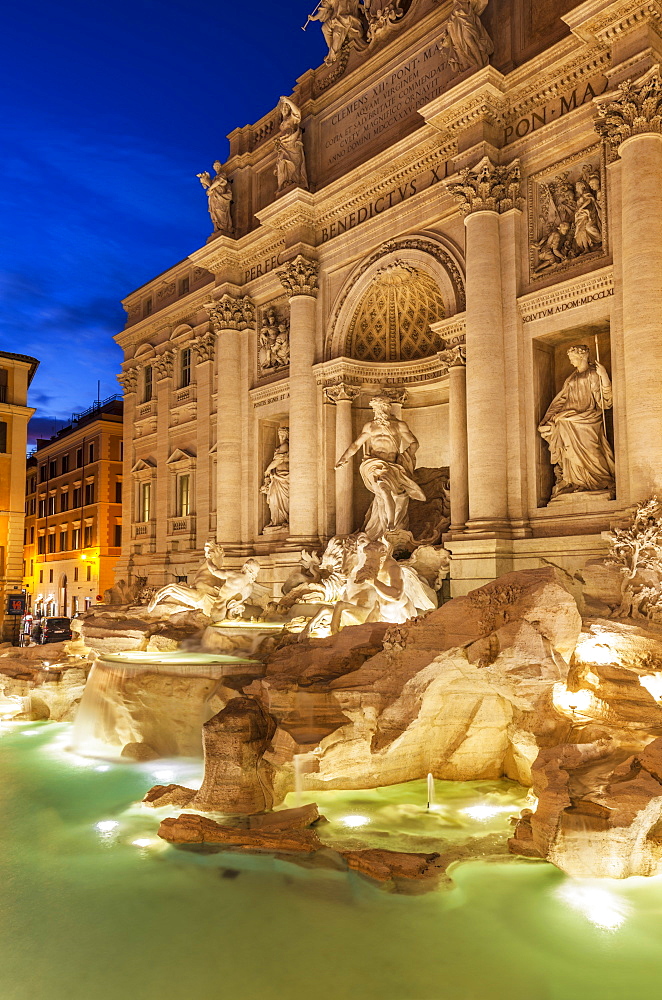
x=291, y=157
x=573, y=427
x=466, y=40
x=219, y=199
x=276, y=484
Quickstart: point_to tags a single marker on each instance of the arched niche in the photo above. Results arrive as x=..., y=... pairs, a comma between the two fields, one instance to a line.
x=409, y=283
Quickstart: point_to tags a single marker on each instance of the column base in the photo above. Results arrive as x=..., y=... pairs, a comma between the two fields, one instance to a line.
x=483, y=527
x=295, y=542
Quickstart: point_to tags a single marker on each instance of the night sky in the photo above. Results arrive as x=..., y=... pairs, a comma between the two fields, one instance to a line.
x=111, y=111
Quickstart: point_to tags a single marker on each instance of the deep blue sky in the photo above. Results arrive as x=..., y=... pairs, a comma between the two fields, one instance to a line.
x=110, y=110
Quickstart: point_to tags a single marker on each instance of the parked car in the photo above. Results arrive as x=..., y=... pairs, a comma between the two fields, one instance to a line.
x=51, y=630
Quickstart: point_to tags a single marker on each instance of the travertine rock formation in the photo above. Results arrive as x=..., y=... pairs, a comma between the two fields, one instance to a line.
x=237, y=780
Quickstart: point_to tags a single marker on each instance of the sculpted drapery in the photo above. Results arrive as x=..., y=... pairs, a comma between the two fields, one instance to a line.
x=276, y=485
x=574, y=429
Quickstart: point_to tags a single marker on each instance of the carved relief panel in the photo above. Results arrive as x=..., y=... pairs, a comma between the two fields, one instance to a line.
x=273, y=347
x=568, y=214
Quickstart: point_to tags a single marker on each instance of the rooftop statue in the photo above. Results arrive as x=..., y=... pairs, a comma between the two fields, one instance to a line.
x=340, y=23
x=574, y=428
x=291, y=157
x=389, y=460
x=219, y=199
x=218, y=592
x=465, y=39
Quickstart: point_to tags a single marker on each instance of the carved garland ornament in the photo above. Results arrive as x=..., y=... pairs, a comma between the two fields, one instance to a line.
x=488, y=187
x=231, y=313
x=299, y=277
x=634, y=109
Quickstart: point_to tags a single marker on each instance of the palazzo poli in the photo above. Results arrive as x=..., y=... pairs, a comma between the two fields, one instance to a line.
x=430, y=306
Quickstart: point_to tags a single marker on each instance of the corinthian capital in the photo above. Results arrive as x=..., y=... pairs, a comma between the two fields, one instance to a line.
x=299, y=277
x=205, y=346
x=342, y=391
x=633, y=109
x=231, y=312
x=163, y=365
x=128, y=380
x=488, y=187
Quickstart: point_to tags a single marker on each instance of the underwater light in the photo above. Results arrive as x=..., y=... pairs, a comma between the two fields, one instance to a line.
x=142, y=842
x=354, y=821
x=483, y=812
x=106, y=825
x=602, y=908
x=102, y=767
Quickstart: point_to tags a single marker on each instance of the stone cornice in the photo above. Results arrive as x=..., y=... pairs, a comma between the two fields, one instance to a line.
x=346, y=371
x=274, y=392
x=291, y=211
x=567, y=295
x=219, y=255
x=452, y=331
x=478, y=98
x=605, y=22
x=633, y=109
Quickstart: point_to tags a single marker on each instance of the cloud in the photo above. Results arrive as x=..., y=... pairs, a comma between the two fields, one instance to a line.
x=44, y=427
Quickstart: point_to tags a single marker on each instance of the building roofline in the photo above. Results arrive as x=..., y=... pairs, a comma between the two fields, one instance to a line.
x=33, y=362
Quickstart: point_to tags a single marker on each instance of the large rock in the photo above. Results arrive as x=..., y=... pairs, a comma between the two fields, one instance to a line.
x=190, y=828
x=599, y=812
x=237, y=780
x=464, y=692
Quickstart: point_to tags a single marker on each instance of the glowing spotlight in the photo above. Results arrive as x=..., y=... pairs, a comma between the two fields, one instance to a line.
x=653, y=684
x=575, y=702
x=593, y=651
x=484, y=812
x=102, y=768
x=355, y=821
x=601, y=907
x=106, y=825
x=142, y=842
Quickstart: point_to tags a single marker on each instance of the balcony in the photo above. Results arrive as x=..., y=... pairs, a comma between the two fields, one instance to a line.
x=144, y=410
x=181, y=525
x=144, y=530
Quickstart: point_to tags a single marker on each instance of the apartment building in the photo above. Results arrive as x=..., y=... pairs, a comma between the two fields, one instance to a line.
x=16, y=374
x=74, y=512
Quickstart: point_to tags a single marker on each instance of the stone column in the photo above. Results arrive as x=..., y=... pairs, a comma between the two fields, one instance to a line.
x=205, y=349
x=299, y=278
x=343, y=396
x=630, y=120
x=485, y=192
x=230, y=316
x=457, y=428
x=129, y=382
x=162, y=367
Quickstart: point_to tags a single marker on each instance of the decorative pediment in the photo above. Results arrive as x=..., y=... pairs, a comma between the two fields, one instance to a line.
x=180, y=459
x=146, y=466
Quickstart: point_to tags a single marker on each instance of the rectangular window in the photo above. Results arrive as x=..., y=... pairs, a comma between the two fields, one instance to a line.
x=51, y=542
x=64, y=502
x=4, y=378
x=42, y=473
x=32, y=535
x=89, y=493
x=148, y=383
x=41, y=545
x=88, y=536
x=33, y=505
x=75, y=538
x=76, y=497
x=145, y=501
x=118, y=491
x=41, y=576
x=42, y=507
x=63, y=541
x=52, y=468
x=51, y=505
x=3, y=436
x=184, y=286
x=186, y=367
x=121, y=451
x=183, y=496
x=75, y=574
x=88, y=572
x=32, y=567
x=91, y=453
x=50, y=576
x=65, y=464
x=118, y=535
x=147, y=307
x=79, y=458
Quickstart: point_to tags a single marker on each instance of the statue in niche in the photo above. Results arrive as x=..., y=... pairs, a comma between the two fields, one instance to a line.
x=276, y=486
x=389, y=459
x=570, y=217
x=220, y=593
x=274, y=343
x=291, y=157
x=340, y=23
x=219, y=199
x=574, y=429
x=465, y=41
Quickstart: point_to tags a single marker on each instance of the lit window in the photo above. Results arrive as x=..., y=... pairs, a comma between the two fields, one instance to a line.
x=3, y=436
x=148, y=383
x=145, y=501
x=89, y=535
x=183, y=496
x=186, y=367
x=75, y=538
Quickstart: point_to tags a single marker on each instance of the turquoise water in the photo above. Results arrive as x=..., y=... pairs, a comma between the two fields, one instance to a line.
x=89, y=914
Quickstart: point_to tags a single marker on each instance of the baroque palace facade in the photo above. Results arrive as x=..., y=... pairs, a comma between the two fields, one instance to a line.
x=460, y=194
